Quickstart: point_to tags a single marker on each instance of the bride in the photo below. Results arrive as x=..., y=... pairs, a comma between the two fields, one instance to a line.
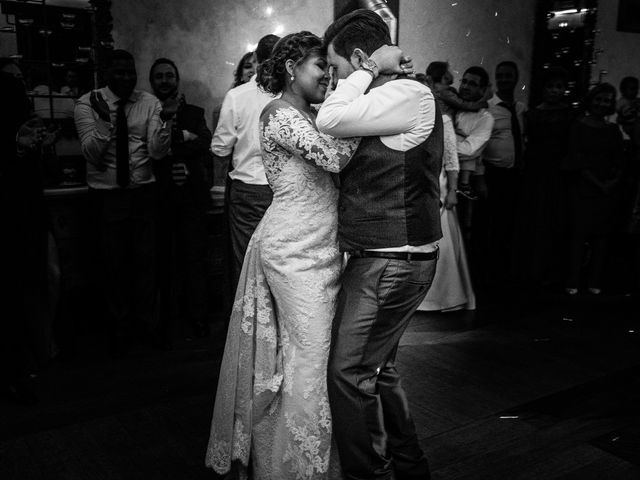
x=271, y=415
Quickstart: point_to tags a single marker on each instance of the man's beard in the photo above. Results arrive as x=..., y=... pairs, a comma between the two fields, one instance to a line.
x=163, y=96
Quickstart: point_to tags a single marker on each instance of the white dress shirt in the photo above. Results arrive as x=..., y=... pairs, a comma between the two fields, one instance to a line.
x=473, y=131
x=238, y=132
x=400, y=112
x=149, y=138
x=500, y=149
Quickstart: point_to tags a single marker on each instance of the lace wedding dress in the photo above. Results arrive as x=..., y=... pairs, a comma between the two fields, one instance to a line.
x=271, y=414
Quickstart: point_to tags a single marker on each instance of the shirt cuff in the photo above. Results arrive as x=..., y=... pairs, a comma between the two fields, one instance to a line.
x=359, y=79
x=221, y=151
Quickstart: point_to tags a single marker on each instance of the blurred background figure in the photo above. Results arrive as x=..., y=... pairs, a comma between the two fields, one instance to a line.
x=26, y=339
x=451, y=288
x=182, y=201
x=71, y=85
x=541, y=218
x=593, y=172
x=245, y=69
x=238, y=161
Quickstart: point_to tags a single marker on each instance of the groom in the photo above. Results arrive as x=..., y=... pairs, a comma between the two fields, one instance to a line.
x=389, y=222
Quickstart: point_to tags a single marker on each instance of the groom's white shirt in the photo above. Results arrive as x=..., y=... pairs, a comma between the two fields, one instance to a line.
x=401, y=113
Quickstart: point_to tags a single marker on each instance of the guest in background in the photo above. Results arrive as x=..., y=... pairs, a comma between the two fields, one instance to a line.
x=628, y=115
x=451, y=288
x=502, y=159
x=593, y=167
x=440, y=78
x=628, y=105
x=25, y=328
x=542, y=213
x=183, y=198
x=71, y=86
x=245, y=69
x=634, y=224
x=10, y=66
x=122, y=131
x=473, y=130
x=236, y=141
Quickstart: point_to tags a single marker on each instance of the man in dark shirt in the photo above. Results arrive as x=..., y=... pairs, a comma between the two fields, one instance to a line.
x=183, y=197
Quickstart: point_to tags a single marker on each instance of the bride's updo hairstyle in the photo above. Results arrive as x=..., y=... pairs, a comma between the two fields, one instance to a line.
x=272, y=73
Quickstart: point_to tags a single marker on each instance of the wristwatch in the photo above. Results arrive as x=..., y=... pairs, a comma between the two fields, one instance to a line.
x=370, y=66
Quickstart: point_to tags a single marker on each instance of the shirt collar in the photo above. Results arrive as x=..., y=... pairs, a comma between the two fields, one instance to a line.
x=113, y=98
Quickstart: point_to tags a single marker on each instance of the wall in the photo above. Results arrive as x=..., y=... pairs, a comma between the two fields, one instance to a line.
x=469, y=32
x=8, y=44
x=206, y=38
x=620, y=56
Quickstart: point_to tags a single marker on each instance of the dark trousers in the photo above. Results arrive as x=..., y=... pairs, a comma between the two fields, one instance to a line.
x=182, y=250
x=372, y=425
x=247, y=204
x=500, y=210
x=23, y=269
x=128, y=256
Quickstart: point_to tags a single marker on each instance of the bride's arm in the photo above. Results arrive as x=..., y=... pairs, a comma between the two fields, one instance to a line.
x=287, y=127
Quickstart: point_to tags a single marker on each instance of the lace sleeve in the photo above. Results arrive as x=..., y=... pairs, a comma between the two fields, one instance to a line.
x=450, y=160
x=288, y=128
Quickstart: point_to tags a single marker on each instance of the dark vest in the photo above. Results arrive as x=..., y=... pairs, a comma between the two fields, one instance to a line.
x=390, y=198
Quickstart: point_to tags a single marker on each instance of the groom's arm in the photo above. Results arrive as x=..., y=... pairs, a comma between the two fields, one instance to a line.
x=390, y=109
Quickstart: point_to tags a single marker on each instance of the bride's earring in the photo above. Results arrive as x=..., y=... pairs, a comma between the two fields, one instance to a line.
x=293, y=78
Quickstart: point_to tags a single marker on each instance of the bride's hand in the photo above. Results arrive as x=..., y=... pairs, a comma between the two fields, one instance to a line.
x=391, y=60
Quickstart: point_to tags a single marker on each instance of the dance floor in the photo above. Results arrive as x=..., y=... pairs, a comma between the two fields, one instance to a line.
x=544, y=392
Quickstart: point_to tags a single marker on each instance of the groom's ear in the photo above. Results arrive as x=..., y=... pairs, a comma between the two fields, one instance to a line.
x=357, y=57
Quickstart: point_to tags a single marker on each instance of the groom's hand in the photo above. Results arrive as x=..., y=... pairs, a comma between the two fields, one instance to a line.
x=391, y=60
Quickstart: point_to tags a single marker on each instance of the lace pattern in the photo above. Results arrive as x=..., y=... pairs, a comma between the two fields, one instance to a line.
x=271, y=405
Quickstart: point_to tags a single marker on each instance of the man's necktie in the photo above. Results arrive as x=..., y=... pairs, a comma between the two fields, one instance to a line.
x=122, y=145
x=516, y=132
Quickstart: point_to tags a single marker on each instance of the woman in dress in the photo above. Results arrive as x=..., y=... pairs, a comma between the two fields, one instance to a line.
x=594, y=170
x=271, y=414
x=451, y=288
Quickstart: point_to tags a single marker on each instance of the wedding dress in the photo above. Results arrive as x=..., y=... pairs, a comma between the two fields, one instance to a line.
x=271, y=410
x=451, y=288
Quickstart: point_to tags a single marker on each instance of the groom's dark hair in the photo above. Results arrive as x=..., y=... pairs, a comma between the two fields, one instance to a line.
x=362, y=29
